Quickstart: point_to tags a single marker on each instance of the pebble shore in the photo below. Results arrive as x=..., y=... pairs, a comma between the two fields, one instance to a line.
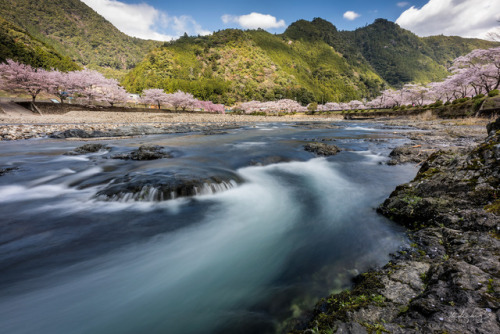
x=14, y=127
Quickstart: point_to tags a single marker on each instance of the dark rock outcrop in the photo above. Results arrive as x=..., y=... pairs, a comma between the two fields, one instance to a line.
x=409, y=154
x=448, y=281
x=145, y=152
x=87, y=148
x=165, y=185
x=322, y=149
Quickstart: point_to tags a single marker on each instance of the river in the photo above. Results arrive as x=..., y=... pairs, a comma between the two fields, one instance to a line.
x=242, y=259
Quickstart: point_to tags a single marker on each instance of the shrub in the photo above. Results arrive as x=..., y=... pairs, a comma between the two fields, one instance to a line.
x=447, y=103
x=436, y=104
x=477, y=104
x=494, y=92
x=462, y=100
x=478, y=96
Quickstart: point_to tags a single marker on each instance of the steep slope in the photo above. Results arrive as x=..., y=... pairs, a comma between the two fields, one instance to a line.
x=19, y=45
x=396, y=54
x=75, y=30
x=234, y=65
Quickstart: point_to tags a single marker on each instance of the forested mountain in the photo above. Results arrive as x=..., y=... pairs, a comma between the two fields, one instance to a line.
x=19, y=45
x=73, y=29
x=233, y=65
x=396, y=54
x=310, y=61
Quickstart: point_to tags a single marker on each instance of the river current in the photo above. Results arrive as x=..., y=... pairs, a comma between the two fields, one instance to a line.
x=243, y=258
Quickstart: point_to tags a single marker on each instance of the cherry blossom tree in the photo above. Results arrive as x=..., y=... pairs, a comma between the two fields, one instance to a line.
x=417, y=94
x=154, y=96
x=210, y=107
x=113, y=93
x=482, y=66
x=17, y=77
x=181, y=100
x=355, y=104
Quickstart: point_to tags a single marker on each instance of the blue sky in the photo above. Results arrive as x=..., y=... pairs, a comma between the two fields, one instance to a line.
x=165, y=20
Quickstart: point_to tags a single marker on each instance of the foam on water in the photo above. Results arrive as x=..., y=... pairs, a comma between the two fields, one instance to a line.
x=360, y=128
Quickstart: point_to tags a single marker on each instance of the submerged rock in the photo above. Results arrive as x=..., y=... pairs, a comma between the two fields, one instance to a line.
x=6, y=170
x=322, y=149
x=145, y=153
x=165, y=185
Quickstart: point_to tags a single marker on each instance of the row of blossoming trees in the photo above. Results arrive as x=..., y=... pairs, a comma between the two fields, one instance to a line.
x=475, y=73
x=89, y=86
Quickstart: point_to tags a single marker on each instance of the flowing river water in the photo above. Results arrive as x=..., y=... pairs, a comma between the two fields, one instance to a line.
x=241, y=257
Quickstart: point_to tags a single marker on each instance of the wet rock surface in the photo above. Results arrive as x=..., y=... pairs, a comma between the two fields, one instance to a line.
x=145, y=152
x=448, y=280
x=322, y=149
x=166, y=185
x=87, y=148
x=433, y=136
x=6, y=170
x=409, y=154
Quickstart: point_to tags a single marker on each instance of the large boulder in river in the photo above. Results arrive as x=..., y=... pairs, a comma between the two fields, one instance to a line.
x=163, y=185
x=322, y=149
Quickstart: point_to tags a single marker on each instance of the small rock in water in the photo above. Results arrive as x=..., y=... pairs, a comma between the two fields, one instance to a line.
x=322, y=149
x=87, y=148
x=145, y=153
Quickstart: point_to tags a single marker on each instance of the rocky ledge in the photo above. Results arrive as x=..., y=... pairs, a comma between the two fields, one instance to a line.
x=321, y=149
x=448, y=281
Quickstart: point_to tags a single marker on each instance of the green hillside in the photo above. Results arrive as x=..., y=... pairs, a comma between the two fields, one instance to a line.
x=19, y=45
x=234, y=65
x=396, y=54
x=73, y=29
x=310, y=61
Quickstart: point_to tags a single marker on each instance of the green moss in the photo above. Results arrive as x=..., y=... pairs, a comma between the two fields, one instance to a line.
x=493, y=207
x=337, y=306
x=375, y=328
x=428, y=173
x=490, y=286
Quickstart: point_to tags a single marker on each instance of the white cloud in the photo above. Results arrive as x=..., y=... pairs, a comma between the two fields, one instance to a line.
x=402, y=4
x=254, y=21
x=350, y=15
x=144, y=21
x=466, y=18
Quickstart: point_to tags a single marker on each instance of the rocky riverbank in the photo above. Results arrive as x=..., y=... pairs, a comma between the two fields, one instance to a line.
x=448, y=280
x=92, y=124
